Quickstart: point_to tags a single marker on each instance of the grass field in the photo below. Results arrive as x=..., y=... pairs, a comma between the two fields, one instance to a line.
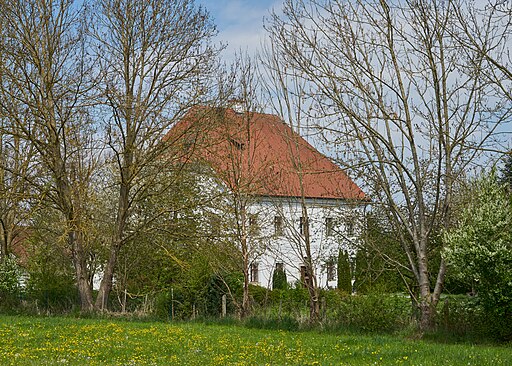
x=67, y=341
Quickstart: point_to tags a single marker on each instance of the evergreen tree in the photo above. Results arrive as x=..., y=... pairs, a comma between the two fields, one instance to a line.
x=344, y=273
x=279, y=280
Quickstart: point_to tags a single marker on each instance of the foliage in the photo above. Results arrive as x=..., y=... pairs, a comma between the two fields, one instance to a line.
x=220, y=285
x=51, y=281
x=374, y=312
x=380, y=261
x=279, y=280
x=506, y=172
x=282, y=323
x=10, y=276
x=479, y=249
x=344, y=272
x=462, y=317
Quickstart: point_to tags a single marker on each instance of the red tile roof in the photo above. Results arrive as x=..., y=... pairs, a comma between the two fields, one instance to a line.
x=259, y=154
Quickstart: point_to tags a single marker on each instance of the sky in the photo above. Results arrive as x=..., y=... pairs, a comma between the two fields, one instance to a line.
x=240, y=22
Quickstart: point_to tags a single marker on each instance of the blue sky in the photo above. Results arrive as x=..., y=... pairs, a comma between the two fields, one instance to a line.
x=240, y=22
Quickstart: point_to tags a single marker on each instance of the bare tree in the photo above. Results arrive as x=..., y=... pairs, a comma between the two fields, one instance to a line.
x=287, y=96
x=408, y=108
x=43, y=90
x=16, y=193
x=155, y=58
x=485, y=33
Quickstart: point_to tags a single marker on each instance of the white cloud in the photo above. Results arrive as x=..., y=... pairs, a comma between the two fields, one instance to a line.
x=240, y=22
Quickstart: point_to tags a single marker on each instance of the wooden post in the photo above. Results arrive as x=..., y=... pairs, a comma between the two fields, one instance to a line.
x=172, y=303
x=224, y=306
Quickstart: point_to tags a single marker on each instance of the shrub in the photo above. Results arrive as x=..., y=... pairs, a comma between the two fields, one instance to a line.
x=459, y=316
x=10, y=278
x=480, y=249
x=279, y=280
x=218, y=286
x=374, y=313
x=259, y=294
x=344, y=273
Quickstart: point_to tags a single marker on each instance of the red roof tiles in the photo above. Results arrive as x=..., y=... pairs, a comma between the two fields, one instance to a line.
x=259, y=154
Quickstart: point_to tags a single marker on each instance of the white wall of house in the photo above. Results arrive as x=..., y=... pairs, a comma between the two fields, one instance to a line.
x=333, y=225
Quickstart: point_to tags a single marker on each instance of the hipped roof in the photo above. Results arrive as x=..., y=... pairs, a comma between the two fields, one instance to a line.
x=259, y=154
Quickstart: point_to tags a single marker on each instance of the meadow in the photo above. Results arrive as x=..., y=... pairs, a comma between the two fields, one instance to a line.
x=69, y=341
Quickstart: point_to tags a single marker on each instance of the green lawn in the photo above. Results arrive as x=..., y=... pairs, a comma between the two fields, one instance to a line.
x=67, y=341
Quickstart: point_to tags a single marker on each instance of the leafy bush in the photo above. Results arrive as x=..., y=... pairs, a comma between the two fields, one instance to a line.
x=279, y=280
x=52, y=291
x=374, y=313
x=51, y=282
x=217, y=287
x=259, y=295
x=480, y=249
x=10, y=277
x=344, y=272
x=460, y=316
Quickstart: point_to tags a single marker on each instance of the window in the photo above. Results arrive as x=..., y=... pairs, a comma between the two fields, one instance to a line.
x=331, y=269
x=303, y=222
x=253, y=225
x=254, y=272
x=278, y=226
x=304, y=273
x=350, y=228
x=280, y=267
x=329, y=226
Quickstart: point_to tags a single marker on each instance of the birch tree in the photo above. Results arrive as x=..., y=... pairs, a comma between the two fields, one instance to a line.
x=242, y=173
x=408, y=109
x=286, y=91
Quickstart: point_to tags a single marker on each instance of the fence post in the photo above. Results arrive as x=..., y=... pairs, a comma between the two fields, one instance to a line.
x=224, y=306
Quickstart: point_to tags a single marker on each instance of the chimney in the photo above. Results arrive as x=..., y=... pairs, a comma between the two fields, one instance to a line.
x=238, y=105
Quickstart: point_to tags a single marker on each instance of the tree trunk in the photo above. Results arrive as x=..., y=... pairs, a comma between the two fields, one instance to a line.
x=6, y=237
x=120, y=226
x=244, y=311
x=314, y=305
x=84, y=289
x=427, y=314
x=245, y=297
x=428, y=299
x=107, y=280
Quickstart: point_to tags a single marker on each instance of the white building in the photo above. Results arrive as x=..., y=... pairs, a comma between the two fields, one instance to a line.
x=333, y=225
x=276, y=180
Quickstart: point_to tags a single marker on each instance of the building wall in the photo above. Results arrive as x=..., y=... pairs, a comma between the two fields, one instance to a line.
x=333, y=225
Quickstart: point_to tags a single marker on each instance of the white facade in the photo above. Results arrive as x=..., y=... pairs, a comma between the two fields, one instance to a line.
x=279, y=238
